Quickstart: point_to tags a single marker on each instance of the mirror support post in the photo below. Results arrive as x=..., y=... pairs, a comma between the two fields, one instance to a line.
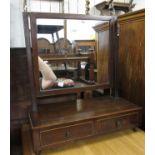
x=65, y=33
x=29, y=60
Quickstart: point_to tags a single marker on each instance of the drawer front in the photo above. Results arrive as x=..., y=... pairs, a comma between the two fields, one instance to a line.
x=58, y=135
x=117, y=123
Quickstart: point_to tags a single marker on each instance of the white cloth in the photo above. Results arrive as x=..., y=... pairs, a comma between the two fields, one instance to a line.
x=49, y=78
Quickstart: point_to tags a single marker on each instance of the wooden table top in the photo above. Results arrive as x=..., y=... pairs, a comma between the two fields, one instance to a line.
x=67, y=112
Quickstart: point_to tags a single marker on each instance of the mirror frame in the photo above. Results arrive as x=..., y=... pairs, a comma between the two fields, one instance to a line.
x=32, y=55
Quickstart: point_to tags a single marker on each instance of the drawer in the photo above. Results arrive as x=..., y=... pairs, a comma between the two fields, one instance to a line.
x=58, y=135
x=117, y=123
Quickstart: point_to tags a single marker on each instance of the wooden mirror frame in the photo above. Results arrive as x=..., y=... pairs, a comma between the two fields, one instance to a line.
x=32, y=53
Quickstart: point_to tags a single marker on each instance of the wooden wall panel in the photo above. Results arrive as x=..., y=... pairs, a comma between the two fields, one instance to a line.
x=132, y=58
x=19, y=90
x=102, y=33
x=103, y=58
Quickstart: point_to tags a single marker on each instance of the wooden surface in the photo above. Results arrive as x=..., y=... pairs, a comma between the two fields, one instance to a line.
x=67, y=112
x=68, y=16
x=118, y=6
x=79, y=43
x=63, y=59
x=19, y=82
x=132, y=58
x=103, y=52
x=78, y=88
x=62, y=123
x=121, y=143
x=44, y=44
x=19, y=91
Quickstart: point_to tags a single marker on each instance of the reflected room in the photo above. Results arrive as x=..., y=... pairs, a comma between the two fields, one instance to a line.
x=66, y=53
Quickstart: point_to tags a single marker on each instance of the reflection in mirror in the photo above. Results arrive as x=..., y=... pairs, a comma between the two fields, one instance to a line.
x=49, y=34
x=66, y=52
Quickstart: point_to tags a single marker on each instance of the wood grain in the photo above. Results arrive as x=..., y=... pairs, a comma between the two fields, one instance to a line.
x=102, y=34
x=132, y=58
x=121, y=143
x=19, y=82
x=63, y=123
x=19, y=91
x=66, y=112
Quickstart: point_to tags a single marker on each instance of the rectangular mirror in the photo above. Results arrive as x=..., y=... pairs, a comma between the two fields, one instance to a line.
x=65, y=51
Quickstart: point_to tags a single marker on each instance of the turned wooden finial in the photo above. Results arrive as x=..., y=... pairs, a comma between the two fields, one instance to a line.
x=87, y=7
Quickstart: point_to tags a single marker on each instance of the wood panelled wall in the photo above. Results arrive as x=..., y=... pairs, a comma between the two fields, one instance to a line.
x=19, y=90
x=132, y=58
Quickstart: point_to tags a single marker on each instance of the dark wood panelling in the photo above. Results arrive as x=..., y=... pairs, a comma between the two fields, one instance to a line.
x=132, y=58
x=102, y=59
x=102, y=52
x=19, y=82
x=19, y=91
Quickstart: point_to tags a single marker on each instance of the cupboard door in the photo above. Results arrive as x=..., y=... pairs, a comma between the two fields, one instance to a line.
x=132, y=58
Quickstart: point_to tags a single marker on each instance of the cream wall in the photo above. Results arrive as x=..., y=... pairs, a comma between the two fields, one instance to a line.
x=140, y=4
x=16, y=8
x=16, y=24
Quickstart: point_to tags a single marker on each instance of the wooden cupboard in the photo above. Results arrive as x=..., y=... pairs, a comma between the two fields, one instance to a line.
x=132, y=58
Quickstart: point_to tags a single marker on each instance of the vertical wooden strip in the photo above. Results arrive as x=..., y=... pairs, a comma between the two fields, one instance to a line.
x=65, y=33
x=29, y=59
x=35, y=52
x=114, y=55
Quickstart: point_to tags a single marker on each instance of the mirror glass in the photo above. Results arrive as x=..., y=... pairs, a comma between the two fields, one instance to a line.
x=66, y=52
